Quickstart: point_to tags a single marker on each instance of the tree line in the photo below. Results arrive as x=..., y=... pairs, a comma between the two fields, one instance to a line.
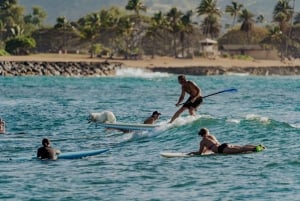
x=130, y=32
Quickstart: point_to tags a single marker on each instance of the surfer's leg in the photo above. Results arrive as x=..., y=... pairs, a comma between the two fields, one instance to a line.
x=176, y=115
x=235, y=149
x=192, y=111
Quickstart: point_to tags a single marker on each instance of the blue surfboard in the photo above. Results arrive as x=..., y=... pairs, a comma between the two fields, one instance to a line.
x=69, y=155
x=128, y=126
x=81, y=154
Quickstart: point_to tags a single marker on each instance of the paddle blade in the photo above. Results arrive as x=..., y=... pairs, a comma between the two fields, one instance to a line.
x=230, y=90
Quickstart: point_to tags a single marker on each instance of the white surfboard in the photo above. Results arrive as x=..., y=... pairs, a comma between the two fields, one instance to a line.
x=173, y=154
x=128, y=126
x=181, y=154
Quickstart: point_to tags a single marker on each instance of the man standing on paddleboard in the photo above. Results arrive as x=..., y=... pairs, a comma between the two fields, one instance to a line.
x=193, y=101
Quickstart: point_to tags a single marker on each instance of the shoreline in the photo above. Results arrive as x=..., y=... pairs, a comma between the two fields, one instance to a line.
x=196, y=66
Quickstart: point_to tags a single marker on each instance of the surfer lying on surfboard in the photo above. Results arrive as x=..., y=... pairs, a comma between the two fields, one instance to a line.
x=210, y=143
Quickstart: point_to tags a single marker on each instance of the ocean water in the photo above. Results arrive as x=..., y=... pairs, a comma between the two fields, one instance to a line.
x=264, y=110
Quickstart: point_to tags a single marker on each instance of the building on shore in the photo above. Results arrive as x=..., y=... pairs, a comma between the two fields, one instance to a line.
x=254, y=51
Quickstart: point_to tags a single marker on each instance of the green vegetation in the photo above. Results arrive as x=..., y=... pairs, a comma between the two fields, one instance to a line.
x=131, y=32
x=3, y=53
x=20, y=45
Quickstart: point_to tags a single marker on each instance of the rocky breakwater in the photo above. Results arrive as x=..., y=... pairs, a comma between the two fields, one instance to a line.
x=33, y=68
x=220, y=70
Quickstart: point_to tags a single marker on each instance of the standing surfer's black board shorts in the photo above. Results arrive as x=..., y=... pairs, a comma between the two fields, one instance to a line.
x=195, y=104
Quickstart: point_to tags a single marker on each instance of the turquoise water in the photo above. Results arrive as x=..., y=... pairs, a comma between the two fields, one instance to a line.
x=264, y=110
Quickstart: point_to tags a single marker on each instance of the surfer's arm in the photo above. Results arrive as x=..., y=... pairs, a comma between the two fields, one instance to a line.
x=181, y=97
x=57, y=151
x=202, y=150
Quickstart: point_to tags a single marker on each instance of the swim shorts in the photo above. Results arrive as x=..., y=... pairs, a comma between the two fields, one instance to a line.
x=195, y=104
x=222, y=147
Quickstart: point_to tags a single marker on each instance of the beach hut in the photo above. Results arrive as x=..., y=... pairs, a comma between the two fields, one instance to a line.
x=209, y=48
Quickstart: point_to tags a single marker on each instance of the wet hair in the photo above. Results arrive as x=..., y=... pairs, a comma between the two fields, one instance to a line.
x=45, y=141
x=181, y=77
x=203, y=131
x=156, y=113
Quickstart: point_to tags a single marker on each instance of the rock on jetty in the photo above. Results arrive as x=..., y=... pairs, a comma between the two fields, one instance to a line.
x=219, y=70
x=68, y=69
x=105, y=68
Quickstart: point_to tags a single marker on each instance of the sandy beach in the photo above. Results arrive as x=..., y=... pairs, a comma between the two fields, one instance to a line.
x=156, y=62
x=83, y=65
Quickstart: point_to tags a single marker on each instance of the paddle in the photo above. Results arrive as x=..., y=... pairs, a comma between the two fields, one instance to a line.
x=227, y=90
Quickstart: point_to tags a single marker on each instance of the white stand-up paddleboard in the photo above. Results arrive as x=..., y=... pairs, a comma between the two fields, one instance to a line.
x=128, y=126
x=172, y=154
x=180, y=154
x=259, y=148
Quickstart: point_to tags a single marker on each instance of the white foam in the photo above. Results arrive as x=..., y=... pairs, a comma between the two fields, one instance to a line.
x=258, y=118
x=297, y=125
x=236, y=121
x=137, y=72
x=184, y=120
x=238, y=74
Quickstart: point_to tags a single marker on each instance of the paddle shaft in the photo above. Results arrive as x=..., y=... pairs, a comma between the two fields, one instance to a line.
x=227, y=90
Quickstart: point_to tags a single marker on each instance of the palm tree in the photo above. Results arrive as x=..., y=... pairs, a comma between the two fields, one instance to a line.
x=156, y=29
x=6, y=4
x=2, y=30
x=136, y=6
x=234, y=10
x=208, y=8
x=260, y=18
x=88, y=28
x=126, y=31
x=283, y=14
x=211, y=26
x=37, y=17
x=186, y=28
x=174, y=23
x=109, y=18
x=275, y=38
x=246, y=17
x=62, y=24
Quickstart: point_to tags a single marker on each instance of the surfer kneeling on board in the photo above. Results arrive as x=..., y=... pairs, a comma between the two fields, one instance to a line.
x=209, y=143
x=152, y=119
x=46, y=151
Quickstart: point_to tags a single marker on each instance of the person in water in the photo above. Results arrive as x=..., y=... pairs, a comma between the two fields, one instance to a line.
x=46, y=151
x=153, y=118
x=2, y=126
x=192, y=102
x=209, y=143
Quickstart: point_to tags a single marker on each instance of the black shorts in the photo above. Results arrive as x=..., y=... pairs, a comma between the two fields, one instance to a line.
x=195, y=104
x=222, y=147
